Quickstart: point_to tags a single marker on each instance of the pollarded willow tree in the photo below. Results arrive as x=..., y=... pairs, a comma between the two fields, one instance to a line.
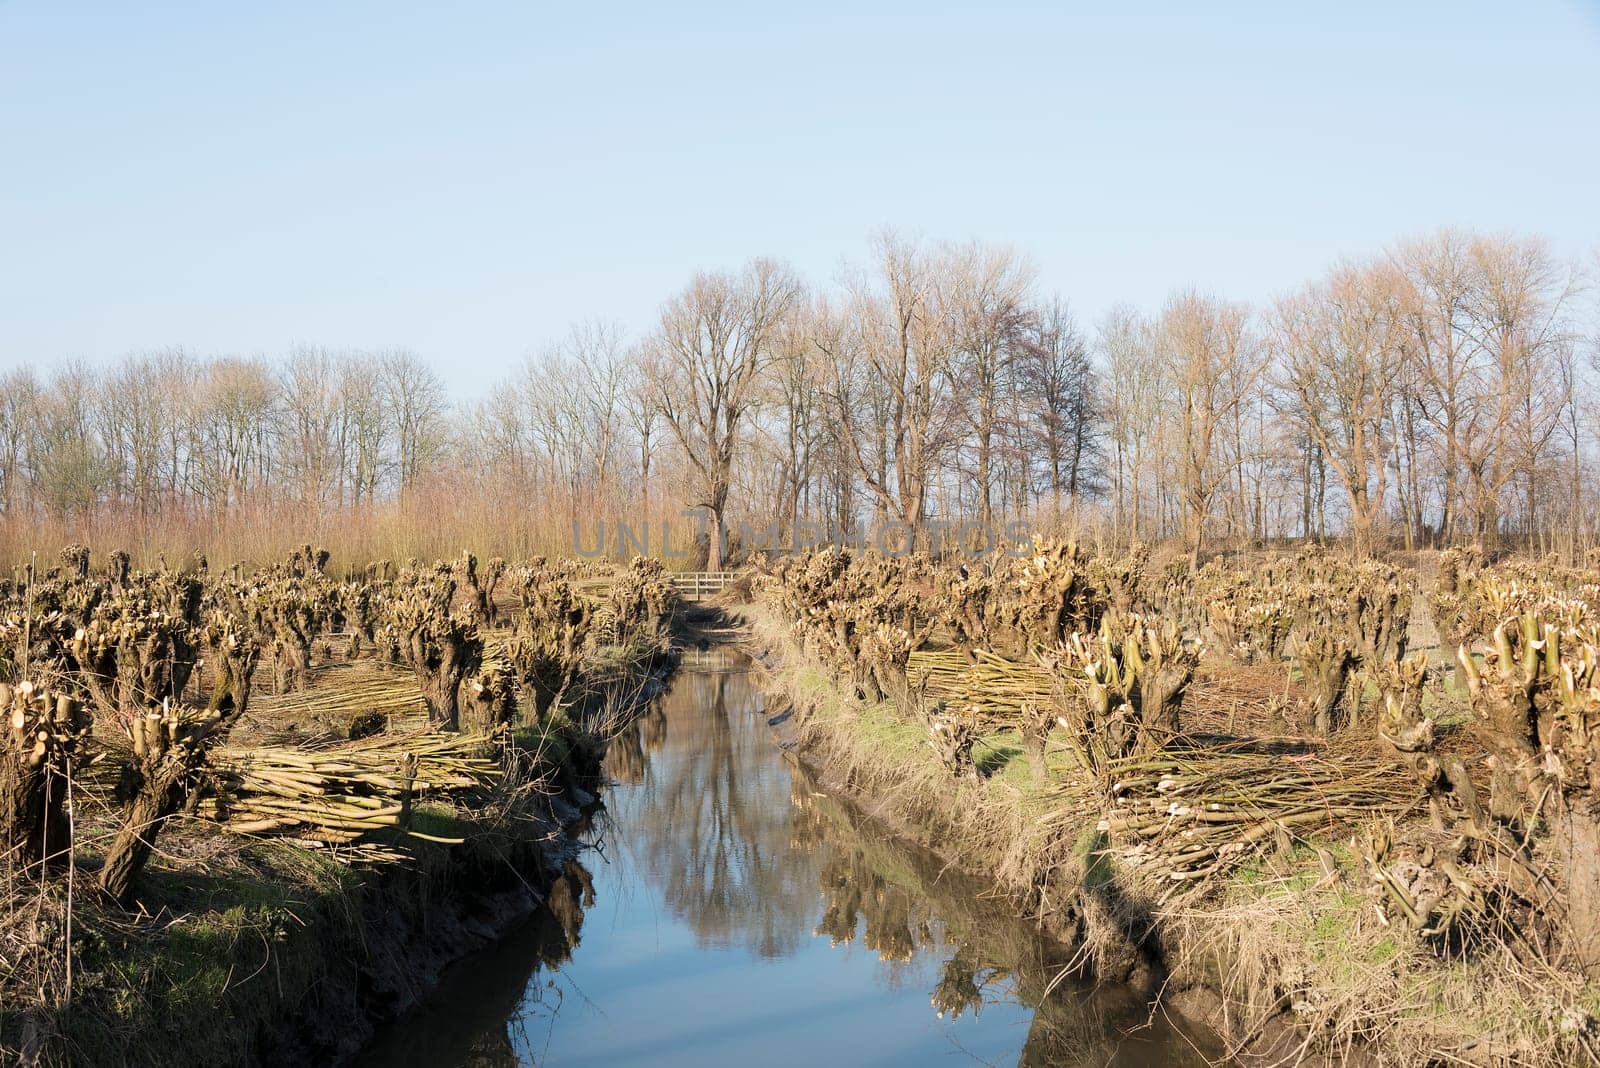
x=706, y=364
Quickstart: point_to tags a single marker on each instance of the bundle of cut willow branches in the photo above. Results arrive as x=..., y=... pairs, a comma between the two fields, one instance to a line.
x=988, y=687
x=361, y=688
x=338, y=795
x=1189, y=815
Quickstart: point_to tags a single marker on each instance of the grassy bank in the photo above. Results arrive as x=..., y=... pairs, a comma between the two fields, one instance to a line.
x=1288, y=955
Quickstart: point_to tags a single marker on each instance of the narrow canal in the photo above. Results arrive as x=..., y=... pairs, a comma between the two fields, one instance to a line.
x=731, y=913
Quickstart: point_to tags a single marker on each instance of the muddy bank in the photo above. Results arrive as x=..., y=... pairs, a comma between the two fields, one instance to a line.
x=407, y=926
x=387, y=945
x=269, y=954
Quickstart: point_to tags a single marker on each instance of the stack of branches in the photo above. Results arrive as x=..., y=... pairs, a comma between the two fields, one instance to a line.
x=345, y=796
x=365, y=698
x=1188, y=815
x=984, y=687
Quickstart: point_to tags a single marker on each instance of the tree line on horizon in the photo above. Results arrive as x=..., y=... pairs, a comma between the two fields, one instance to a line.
x=1438, y=392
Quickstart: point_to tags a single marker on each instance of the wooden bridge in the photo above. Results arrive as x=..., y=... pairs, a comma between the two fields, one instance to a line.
x=698, y=585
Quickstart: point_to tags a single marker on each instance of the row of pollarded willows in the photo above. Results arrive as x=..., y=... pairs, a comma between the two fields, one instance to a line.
x=152, y=670
x=1195, y=728
x=158, y=743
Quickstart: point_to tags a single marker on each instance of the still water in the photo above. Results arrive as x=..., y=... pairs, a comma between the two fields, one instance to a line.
x=731, y=913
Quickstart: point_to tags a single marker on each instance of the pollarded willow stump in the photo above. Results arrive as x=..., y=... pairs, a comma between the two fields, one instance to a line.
x=43, y=735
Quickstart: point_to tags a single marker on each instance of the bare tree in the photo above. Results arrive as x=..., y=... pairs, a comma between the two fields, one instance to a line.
x=19, y=423
x=706, y=362
x=313, y=432
x=1214, y=362
x=890, y=382
x=362, y=415
x=1516, y=319
x=69, y=464
x=644, y=419
x=986, y=294
x=598, y=351
x=798, y=403
x=553, y=398
x=1139, y=384
x=1339, y=349
x=1438, y=283
x=414, y=398
x=232, y=429
x=1058, y=385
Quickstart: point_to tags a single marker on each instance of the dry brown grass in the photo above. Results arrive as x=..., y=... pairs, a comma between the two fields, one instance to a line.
x=435, y=520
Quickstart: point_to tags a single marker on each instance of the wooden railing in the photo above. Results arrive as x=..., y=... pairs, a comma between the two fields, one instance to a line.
x=698, y=585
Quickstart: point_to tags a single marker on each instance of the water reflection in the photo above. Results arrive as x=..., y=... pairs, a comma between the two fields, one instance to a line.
x=736, y=913
x=709, y=824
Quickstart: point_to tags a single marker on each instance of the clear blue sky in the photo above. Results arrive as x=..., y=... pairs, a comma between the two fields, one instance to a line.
x=469, y=179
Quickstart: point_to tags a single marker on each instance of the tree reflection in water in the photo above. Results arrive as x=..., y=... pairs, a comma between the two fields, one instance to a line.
x=710, y=822
x=748, y=854
x=906, y=902
x=628, y=752
x=743, y=840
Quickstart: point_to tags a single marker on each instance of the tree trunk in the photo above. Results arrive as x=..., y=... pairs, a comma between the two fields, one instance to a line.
x=1578, y=845
x=152, y=802
x=714, y=535
x=35, y=826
